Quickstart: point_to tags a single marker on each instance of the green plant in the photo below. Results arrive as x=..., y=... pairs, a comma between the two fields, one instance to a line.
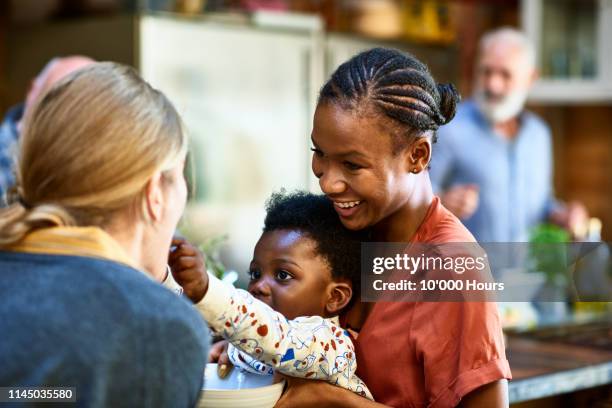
x=548, y=252
x=211, y=249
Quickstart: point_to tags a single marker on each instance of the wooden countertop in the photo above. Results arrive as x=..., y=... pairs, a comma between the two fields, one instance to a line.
x=558, y=360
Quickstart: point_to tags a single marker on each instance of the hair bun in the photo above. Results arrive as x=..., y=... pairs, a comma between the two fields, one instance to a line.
x=449, y=98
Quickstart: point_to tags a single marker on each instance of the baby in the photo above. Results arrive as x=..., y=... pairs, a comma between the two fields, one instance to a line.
x=304, y=272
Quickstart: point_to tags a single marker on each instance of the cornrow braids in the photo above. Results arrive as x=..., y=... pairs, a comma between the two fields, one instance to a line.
x=396, y=84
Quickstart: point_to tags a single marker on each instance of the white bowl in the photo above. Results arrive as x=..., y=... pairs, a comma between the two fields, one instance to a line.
x=239, y=389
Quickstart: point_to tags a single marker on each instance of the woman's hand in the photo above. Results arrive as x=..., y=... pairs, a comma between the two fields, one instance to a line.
x=188, y=269
x=302, y=393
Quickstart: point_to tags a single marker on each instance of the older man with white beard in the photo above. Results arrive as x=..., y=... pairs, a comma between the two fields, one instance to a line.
x=492, y=165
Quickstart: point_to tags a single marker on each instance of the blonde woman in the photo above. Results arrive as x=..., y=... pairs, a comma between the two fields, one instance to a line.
x=85, y=242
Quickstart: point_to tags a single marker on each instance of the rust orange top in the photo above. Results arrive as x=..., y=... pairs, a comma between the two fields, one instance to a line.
x=431, y=354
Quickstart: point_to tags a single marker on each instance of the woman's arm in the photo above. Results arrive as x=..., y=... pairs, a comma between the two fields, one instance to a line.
x=493, y=395
x=301, y=393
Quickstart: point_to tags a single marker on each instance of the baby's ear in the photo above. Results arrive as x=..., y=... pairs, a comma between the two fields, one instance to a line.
x=340, y=294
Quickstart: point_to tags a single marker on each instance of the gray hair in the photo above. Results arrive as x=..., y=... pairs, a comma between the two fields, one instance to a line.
x=511, y=36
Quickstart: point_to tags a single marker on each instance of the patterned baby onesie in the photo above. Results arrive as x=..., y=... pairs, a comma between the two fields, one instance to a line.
x=309, y=347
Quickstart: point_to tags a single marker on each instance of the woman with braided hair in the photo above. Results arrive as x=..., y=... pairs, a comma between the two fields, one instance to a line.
x=372, y=137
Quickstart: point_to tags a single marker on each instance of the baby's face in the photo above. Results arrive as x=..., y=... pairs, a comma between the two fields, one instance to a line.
x=288, y=275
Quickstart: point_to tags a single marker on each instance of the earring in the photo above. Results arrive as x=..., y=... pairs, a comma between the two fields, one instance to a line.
x=415, y=170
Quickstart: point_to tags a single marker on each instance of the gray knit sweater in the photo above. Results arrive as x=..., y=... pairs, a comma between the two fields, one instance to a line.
x=100, y=326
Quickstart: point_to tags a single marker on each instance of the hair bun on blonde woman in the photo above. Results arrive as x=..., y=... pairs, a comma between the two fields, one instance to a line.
x=449, y=99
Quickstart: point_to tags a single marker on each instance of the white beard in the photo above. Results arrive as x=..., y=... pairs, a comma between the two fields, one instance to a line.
x=502, y=110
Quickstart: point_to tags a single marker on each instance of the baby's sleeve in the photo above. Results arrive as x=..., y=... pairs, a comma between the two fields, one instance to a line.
x=242, y=360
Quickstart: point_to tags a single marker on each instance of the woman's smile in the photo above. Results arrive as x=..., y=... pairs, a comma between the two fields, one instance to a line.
x=347, y=209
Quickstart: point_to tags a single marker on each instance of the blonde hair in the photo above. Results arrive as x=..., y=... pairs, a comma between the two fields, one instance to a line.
x=88, y=149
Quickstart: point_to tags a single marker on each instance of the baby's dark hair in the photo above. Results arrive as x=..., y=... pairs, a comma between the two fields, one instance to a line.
x=397, y=85
x=314, y=215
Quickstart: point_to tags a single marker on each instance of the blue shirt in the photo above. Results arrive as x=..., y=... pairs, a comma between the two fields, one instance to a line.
x=8, y=149
x=514, y=176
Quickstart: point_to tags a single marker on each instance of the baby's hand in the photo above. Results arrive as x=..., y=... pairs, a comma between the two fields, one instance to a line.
x=188, y=269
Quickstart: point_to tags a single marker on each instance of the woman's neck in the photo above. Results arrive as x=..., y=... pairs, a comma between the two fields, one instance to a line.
x=355, y=317
x=131, y=238
x=404, y=223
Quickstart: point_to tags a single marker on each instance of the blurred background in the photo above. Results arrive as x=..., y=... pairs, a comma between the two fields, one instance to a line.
x=245, y=74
